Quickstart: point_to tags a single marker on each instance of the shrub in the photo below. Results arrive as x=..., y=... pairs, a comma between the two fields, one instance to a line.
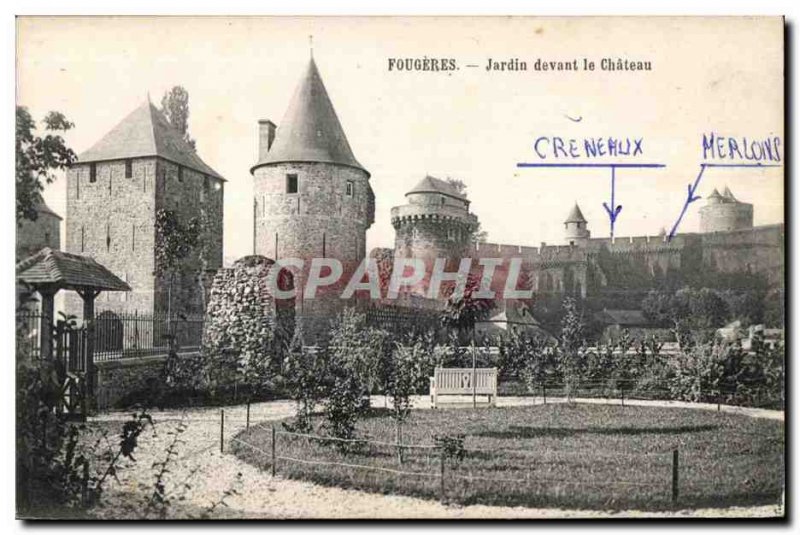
x=359, y=350
x=344, y=406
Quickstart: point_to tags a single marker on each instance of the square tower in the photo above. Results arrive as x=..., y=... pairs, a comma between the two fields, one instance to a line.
x=115, y=191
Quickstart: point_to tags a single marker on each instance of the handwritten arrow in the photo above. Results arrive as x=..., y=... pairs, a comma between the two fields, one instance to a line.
x=613, y=213
x=690, y=198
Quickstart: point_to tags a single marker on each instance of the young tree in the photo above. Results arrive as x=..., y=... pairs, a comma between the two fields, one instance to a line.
x=175, y=106
x=534, y=360
x=355, y=354
x=570, y=343
x=406, y=369
x=358, y=349
x=174, y=242
x=306, y=377
x=37, y=157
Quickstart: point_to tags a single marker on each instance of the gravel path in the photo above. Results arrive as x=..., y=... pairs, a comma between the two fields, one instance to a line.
x=201, y=475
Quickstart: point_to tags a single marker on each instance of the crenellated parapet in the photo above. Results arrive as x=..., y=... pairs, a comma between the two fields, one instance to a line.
x=546, y=254
x=636, y=245
x=411, y=213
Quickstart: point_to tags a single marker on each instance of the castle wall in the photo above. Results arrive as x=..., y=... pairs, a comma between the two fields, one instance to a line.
x=755, y=250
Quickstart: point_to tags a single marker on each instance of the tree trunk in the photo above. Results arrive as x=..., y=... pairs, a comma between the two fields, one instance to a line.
x=399, y=436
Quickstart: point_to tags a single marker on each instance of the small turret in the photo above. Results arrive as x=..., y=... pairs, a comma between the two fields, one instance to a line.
x=435, y=222
x=575, y=226
x=714, y=198
x=723, y=213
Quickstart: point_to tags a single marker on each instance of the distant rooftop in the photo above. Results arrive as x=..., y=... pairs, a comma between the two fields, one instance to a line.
x=431, y=184
x=575, y=215
x=42, y=208
x=146, y=132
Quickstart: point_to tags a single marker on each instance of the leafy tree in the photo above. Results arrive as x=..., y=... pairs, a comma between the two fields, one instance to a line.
x=697, y=372
x=37, y=157
x=175, y=106
x=462, y=312
x=686, y=311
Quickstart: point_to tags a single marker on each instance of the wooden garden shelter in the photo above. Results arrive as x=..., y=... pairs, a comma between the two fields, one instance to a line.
x=49, y=271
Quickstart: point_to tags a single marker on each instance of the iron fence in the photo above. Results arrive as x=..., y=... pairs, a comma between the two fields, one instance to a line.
x=116, y=336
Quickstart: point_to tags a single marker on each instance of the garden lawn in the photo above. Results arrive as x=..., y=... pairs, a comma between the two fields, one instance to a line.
x=555, y=455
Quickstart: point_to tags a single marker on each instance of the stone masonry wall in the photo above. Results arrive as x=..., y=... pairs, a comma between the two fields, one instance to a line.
x=431, y=238
x=112, y=221
x=243, y=316
x=320, y=220
x=319, y=216
x=726, y=217
x=118, y=380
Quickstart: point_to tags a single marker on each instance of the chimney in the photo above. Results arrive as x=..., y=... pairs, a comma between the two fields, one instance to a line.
x=266, y=135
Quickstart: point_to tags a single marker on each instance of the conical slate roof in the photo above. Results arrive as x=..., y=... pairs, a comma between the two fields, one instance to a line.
x=310, y=130
x=575, y=215
x=146, y=132
x=431, y=184
x=728, y=194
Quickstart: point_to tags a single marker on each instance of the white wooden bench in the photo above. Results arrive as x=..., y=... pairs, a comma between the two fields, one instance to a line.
x=459, y=382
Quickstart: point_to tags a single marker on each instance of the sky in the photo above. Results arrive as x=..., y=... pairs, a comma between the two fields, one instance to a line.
x=723, y=75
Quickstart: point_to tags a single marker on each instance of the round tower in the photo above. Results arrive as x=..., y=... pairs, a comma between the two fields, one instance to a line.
x=723, y=213
x=576, y=231
x=313, y=198
x=435, y=223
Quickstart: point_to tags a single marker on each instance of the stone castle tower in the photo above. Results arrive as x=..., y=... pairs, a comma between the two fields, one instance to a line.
x=115, y=191
x=724, y=213
x=435, y=223
x=576, y=230
x=313, y=198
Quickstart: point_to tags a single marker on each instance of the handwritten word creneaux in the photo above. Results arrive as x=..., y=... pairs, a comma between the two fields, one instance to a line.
x=593, y=147
x=327, y=274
